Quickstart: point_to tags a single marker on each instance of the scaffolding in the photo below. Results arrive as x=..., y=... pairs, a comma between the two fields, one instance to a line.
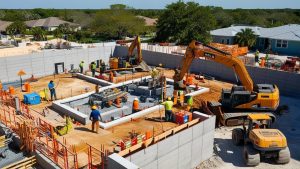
x=38, y=135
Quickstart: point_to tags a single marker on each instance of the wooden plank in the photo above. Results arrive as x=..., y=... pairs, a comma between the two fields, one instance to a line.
x=21, y=163
x=158, y=137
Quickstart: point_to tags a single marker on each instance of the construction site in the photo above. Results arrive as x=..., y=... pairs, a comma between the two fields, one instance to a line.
x=199, y=106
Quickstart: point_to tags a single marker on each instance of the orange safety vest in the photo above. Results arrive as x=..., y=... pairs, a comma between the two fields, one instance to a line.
x=135, y=105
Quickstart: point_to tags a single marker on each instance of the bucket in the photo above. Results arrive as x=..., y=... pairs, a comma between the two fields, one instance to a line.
x=11, y=90
x=27, y=87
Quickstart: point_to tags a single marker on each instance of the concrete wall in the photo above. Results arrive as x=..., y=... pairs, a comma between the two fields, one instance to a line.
x=287, y=82
x=42, y=63
x=184, y=150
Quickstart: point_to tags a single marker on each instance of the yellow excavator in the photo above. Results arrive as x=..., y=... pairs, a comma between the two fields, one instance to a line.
x=247, y=97
x=131, y=61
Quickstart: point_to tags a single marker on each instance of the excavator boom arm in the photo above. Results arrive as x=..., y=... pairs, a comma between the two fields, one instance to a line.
x=136, y=44
x=197, y=49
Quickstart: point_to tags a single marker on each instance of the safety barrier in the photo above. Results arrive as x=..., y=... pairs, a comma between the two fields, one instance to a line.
x=37, y=134
x=97, y=158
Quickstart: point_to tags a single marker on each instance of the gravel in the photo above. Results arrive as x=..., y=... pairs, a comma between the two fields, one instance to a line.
x=228, y=156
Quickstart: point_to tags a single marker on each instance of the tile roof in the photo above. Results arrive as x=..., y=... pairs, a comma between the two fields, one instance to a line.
x=4, y=25
x=47, y=22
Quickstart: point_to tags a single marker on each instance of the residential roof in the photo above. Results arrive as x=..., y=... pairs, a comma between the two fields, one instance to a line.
x=48, y=22
x=4, y=25
x=233, y=30
x=148, y=21
x=285, y=32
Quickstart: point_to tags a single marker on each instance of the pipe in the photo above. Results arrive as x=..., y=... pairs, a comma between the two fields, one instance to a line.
x=200, y=91
x=132, y=116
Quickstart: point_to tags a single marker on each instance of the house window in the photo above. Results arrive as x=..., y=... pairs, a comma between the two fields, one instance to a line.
x=222, y=41
x=281, y=43
x=228, y=41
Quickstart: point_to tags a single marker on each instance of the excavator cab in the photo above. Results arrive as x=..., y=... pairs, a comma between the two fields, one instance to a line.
x=236, y=96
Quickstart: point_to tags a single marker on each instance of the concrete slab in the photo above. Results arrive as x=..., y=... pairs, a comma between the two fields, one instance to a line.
x=185, y=156
x=169, y=160
x=209, y=124
x=197, y=130
x=115, y=161
x=185, y=136
x=207, y=146
x=145, y=156
x=196, y=151
x=167, y=145
x=152, y=165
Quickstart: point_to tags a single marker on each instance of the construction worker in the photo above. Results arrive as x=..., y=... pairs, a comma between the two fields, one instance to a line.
x=181, y=97
x=51, y=87
x=135, y=105
x=95, y=118
x=190, y=103
x=81, y=66
x=93, y=68
x=256, y=57
x=168, y=109
x=267, y=60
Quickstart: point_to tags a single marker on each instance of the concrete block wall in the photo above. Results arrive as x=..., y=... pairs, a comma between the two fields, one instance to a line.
x=287, y=82
x=184, y=150
x=42, y=63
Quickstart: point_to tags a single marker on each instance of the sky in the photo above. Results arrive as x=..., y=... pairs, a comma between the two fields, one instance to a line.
x=144, y=4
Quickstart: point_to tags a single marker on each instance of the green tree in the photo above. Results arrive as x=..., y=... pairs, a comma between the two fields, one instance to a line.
x=118, y=6
x=16, y=28
x=65, y=28
x=246, y=37
x=183, y=22
x=57, y=33
x=119, y=23
x=38, y=34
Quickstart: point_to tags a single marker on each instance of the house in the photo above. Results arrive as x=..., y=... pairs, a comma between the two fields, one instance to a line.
x=148, y=21
x=4, y=25
x=50, y=24
x=283, y=40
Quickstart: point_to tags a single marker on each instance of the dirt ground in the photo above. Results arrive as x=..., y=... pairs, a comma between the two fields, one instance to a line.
x=83, y=134
x=228, y=156
x=66, y=86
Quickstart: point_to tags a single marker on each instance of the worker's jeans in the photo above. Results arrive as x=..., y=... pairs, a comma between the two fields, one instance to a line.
x=53, y=93
x=95, y=124
x=93, y=72
x=81, y=69
x=168, y=115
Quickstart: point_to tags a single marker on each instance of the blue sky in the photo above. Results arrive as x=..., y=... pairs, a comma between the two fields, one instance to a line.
x=143, y=4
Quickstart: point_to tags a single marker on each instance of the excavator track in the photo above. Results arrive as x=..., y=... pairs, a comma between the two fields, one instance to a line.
x=237, y=118
x=233, y=118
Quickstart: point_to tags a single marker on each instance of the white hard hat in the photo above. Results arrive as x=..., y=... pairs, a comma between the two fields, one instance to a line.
x=136, y=99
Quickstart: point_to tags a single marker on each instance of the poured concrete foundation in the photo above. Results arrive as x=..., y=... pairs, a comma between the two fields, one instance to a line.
x=184, y=150
x=78, y=108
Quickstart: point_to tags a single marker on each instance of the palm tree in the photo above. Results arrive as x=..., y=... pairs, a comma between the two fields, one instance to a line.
x=246, y=37
x=38, y=34
x=16, y=28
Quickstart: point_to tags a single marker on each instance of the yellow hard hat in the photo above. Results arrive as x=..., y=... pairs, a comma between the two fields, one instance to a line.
x=169, y=98
x=94, y=107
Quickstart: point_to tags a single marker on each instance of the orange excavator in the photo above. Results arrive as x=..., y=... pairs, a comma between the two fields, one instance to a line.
x=239, y=99
x=131, y=61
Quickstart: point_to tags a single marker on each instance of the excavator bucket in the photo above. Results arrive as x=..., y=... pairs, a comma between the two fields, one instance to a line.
x=143, y=66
